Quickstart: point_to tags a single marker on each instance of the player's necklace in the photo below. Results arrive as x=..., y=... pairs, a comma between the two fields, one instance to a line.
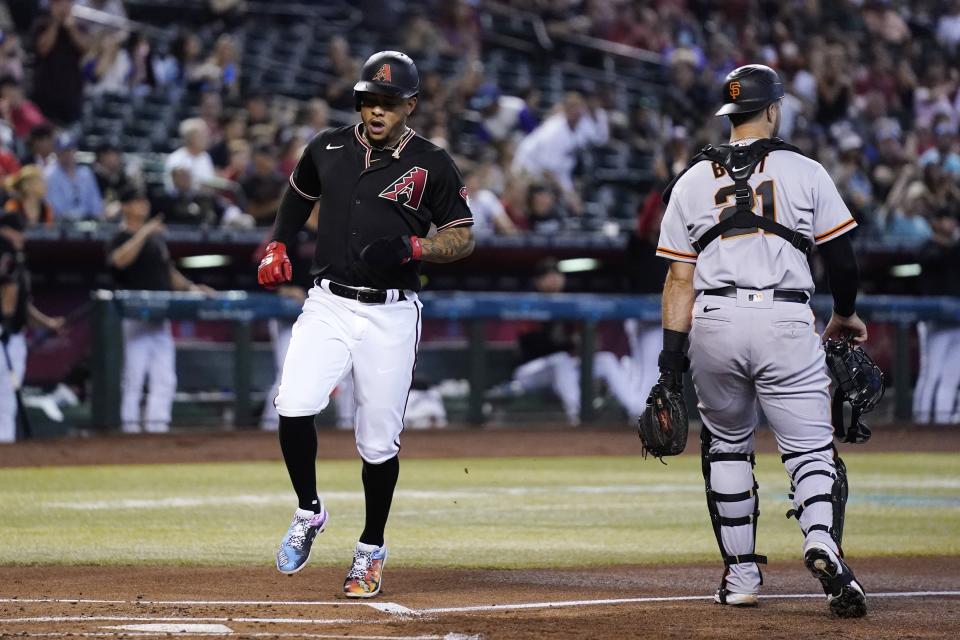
x=387, y=148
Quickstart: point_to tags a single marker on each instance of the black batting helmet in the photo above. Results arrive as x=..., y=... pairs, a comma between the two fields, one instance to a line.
x=750, y=88
x=388, y=73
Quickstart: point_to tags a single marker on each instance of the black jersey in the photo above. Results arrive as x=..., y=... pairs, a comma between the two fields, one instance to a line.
x=370, y=193
x=151, y=268
x=13, y=270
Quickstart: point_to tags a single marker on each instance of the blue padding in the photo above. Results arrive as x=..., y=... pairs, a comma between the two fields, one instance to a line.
x=243, y=305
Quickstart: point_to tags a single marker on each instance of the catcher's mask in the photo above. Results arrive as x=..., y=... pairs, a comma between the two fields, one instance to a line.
x=859, y=382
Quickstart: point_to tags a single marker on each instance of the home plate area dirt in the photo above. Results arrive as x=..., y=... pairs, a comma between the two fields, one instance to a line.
x=909, y=598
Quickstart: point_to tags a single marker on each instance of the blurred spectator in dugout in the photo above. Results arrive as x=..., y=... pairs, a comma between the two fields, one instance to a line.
x=16, y=313
x=59, y=43
x=72, y=188
x=139, y=259
x=547, y=360
x=28, y=191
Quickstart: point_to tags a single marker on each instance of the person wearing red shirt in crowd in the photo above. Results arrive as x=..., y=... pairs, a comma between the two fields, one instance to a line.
x=16, y=109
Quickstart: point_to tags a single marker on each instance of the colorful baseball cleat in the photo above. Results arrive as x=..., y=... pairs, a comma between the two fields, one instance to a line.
x=844, y=593
x=296, y=544
x=366, y=574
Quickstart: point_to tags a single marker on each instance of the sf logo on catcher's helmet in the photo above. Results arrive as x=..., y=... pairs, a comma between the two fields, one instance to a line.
x=382, y=74
x=734, y=89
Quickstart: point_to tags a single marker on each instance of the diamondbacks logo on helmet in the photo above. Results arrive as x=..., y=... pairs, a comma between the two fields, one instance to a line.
x=410, y=185
x=382, y=74
x=734, y=89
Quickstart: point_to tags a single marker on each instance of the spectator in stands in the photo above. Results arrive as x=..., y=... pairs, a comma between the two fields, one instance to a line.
x=189, y=71
x=548, y=362
x=11, y=55
x=550, y=151
x=489, y=215
x=139, y=259
x=234, y=128
x=543, y=213
x=112, y=179
x=16, y=313
x=28, y=191
x=40, y=146
x=9, y=164
x=224, y=66
x=149, y=70
x=314, y=119
x=193, y=154
x=22, y=114
x=107, y=67
x=59, y=45
x=502, y=118
x=421, y=38
x=211, y=112
x=264, y=186
x=346, y=71
x=460, y=26
x=943, y=152
x=852, y=178
x=908, y=222
x=185, y=204
x=239, y=163
x=257, y=106
x=293, y=142
x=72, y=188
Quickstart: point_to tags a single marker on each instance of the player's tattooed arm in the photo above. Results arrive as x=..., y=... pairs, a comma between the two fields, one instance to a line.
x=448, y=245
x=678, y=297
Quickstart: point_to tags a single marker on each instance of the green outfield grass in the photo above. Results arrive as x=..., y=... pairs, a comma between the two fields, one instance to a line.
x=491, y=512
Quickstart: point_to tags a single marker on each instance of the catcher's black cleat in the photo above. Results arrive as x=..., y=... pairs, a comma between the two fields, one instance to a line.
x=844, y=593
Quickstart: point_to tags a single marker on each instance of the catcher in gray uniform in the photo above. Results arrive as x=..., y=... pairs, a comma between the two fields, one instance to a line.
x=738, y=228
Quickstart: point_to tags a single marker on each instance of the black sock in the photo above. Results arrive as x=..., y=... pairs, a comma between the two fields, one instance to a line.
x=379, y=481
x=298, y=442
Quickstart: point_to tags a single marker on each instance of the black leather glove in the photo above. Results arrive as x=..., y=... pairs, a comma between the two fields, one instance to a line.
x=391, y=252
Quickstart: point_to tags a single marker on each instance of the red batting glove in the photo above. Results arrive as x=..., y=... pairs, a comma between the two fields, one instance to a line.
x=275, y=268
x=416, y=249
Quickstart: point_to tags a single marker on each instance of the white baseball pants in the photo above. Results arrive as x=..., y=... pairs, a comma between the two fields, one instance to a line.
x=17, y=349
x=149, y=355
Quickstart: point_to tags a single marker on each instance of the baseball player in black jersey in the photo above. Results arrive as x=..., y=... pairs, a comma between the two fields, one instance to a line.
x=383, y=187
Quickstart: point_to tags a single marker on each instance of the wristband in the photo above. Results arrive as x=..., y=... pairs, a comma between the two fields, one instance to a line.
x=674, y=340
x=416, y=248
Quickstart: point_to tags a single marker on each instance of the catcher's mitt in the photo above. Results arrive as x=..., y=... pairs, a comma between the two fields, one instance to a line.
x=859, y=381
x=663, y=425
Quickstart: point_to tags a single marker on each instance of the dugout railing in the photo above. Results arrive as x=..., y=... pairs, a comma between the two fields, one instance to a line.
x=243, y=308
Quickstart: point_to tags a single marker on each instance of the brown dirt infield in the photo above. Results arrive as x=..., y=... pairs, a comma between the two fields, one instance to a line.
x=142, y=595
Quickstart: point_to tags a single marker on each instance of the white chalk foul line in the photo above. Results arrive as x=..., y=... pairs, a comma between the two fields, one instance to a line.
x=611, y=601
x=182, y=619
x=259, y=634
x=386, y=607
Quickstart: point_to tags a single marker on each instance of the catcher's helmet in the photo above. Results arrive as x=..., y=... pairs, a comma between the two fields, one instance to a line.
x=750, y=88
x=388, y=73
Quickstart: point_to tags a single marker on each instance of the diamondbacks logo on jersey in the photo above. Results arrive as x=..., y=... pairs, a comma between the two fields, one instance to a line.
x=382, y=74
x=410, y=185
x=734, y=89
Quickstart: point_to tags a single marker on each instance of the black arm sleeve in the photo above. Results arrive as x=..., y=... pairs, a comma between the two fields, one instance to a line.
x=842, y=274
x=291, y=216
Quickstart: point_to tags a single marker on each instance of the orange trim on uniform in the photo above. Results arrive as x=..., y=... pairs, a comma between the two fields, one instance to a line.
x=680, y=254
x=837, y=229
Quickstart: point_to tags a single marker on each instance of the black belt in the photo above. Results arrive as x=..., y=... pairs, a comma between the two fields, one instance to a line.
x=368, y=296
x=781, y=295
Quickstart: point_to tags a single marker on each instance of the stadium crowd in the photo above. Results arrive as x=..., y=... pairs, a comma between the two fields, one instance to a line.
x=873, y=93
